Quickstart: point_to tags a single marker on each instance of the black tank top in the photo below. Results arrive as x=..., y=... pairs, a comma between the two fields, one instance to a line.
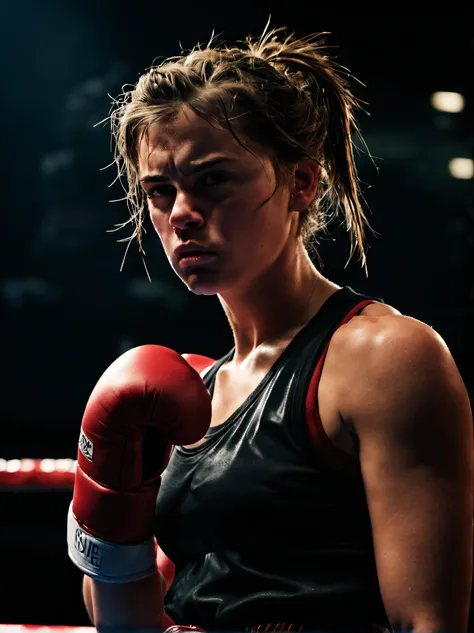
x=264, y=533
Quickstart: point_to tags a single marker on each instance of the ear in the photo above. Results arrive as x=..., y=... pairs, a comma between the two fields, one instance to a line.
x=304, y=184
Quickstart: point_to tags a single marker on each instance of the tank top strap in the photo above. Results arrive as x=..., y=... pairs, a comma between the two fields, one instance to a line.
x=346, y=304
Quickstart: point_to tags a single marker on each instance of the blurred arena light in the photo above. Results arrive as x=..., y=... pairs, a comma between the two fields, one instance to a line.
x=447, y=101
x=47, y=473
x=462, y=168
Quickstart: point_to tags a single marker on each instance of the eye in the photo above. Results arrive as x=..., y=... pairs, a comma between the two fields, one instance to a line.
x=159, y=191
x=217, y=176
x=209, y=180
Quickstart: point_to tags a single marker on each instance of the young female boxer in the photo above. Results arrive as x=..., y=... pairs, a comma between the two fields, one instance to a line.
x=333, y=489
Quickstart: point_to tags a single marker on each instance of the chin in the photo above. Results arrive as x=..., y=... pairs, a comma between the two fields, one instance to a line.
x=207, y=282
x=206, y=290
x=199, y=285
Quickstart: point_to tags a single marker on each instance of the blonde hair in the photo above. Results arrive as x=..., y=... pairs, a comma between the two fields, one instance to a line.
x=287, y=95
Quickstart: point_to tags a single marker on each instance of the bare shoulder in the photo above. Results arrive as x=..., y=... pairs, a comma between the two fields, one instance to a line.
x=381, y=334
x=347, y=339
x=393, y=360
x=379, y=309
x=402, y=394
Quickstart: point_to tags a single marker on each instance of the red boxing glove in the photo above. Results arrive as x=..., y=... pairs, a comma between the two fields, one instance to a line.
x=148, y=399
x=198, y=361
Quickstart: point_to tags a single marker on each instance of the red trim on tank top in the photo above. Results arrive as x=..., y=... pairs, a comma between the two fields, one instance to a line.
x=318, y=436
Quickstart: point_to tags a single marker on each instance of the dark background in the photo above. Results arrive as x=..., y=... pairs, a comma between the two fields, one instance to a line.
x=67, y=309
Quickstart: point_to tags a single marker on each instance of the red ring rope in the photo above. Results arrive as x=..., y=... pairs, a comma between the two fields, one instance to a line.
x=37, y=473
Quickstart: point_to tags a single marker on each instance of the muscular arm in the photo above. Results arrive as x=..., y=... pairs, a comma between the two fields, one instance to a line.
x=410, y=410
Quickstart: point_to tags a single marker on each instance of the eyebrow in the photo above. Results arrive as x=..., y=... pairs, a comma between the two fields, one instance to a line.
x=193, y=169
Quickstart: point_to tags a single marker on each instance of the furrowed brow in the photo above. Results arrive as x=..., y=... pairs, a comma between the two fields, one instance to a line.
x=193, y=169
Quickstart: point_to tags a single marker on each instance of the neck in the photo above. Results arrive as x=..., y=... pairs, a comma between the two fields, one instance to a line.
x=272, y=307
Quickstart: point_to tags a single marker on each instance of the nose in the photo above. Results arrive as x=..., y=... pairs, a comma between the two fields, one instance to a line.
x=184, y=214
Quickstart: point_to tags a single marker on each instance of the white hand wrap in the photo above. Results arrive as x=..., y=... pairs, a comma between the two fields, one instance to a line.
x=108, y=562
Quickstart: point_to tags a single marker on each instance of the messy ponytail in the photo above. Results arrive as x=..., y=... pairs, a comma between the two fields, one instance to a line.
x=286, y=95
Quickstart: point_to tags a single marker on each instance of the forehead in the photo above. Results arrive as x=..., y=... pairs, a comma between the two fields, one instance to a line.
x=184, y=139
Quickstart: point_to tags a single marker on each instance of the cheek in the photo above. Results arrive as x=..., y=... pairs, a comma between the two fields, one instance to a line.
x=255, y=220
x=241, y=211
x=162, y=228
x=159, y=221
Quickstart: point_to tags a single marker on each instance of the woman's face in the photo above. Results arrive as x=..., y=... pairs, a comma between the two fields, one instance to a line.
x=207, y=192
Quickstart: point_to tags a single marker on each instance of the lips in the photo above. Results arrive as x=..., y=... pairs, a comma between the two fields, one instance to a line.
x=191, y=250
x=194, y=254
